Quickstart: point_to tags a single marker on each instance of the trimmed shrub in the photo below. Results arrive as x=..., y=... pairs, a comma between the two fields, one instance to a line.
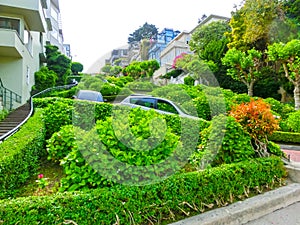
x=159, y=203
x=20, y=155
x=57, y=115
x=224, y=141
x=293, y=121
x=62, y=142
x=285, y=137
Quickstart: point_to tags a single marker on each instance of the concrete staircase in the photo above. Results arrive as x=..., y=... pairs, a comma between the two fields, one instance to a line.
x=14, y=118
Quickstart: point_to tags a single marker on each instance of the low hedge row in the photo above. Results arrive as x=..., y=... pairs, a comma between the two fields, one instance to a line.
x=173, y=199
x=285, y=137
x=20, y=155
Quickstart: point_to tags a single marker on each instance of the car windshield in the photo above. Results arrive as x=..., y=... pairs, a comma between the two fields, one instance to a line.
x=89, y=95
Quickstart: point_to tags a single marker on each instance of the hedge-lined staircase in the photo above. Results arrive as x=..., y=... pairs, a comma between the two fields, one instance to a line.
x=14, y=118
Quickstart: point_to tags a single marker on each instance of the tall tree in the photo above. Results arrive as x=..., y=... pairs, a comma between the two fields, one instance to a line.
x=58, y=63
x=288, y=55
x=209, y=41
x=244, y=66
x=259, y=23
x=147, y=31
x=198, y=69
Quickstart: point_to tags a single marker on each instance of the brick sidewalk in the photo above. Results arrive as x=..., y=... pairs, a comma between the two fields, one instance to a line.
x=293, y=154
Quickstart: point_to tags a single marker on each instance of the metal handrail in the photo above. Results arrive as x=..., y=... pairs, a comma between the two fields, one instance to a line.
x=12, y=96
x=14, y=130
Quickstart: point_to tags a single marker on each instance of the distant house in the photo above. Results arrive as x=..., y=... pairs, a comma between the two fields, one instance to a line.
x=160, y=43
x=120, y=55
x=177, y=46
x=25, y=28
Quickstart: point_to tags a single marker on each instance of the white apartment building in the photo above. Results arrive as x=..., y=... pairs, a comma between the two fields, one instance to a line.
x=25, y=28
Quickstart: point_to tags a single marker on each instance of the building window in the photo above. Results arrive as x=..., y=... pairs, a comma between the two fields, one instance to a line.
x=28, y=40
x=28, y=75
x=54, y=13
x=54, y=33
x=9, y=23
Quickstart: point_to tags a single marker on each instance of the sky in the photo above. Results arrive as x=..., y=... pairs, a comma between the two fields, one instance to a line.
x=93, y=28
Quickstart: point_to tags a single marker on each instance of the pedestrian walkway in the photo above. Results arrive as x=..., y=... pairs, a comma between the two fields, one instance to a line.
x=292, y=151
x=256, y=210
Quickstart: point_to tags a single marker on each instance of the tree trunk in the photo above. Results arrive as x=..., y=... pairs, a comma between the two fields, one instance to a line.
x=250, y=88
x=297, y=96
x=283, y=94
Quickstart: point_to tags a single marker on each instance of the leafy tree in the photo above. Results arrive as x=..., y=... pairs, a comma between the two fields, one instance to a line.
x=76, y=67
x=209, y=41
x=111, y=70
x=58, y=63
x=292, y=8
x=288, y=55
x=198, y=69
x=259, y=23
x=144, y=69
x=44, y=78
x=244, y=66
x=145, y=32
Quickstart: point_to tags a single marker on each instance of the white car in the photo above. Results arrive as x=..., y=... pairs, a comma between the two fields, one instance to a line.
x=160, y=105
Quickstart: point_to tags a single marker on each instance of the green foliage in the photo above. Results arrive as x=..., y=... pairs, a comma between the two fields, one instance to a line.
x=209, y=41
x=159, y=203
x=201, y=70
x=275, y=149
x=188, y=80
x=293, y=121
x=224, y=141
x=21, y=154
x=140, y=86
x=285, y=137
x=288, y=55
x=3, y=114
x=44, y=78
x=57, y=115
x=76, y=67
x=62, y=142
x=108, y=89
x=251, y=29
x=58, y=63
x=280, y=109
x=111, y=70
x=146, y=31
x=172, y=73
x=144, y=69
x=244, y=66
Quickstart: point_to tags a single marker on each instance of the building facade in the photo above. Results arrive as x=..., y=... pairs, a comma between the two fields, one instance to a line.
x=177, y=46
x=26, y=26
x=160, y=43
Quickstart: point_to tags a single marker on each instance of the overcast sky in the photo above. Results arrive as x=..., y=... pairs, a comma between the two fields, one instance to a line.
x=95, y=27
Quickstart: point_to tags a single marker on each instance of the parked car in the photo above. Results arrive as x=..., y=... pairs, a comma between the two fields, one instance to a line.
x=160, y=105
x=89, y=95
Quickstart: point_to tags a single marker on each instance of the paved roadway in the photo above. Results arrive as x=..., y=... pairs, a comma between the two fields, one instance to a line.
x=287, y=216
x=277, y=207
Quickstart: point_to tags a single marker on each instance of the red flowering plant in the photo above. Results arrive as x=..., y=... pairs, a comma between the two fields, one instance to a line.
x=42, y=181
x=181, y=56
x=257, y=119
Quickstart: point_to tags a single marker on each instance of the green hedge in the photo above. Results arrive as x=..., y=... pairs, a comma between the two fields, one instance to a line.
x=20, y=154
x=285, y=137
x=165, y=202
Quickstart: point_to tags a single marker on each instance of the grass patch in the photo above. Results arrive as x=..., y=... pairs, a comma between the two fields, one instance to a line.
x=52, y=172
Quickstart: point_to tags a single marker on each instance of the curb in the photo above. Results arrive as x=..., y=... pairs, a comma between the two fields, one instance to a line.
x=250, y=209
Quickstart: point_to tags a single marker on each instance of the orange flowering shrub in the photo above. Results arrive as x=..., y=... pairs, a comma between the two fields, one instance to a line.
x=256, y=118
